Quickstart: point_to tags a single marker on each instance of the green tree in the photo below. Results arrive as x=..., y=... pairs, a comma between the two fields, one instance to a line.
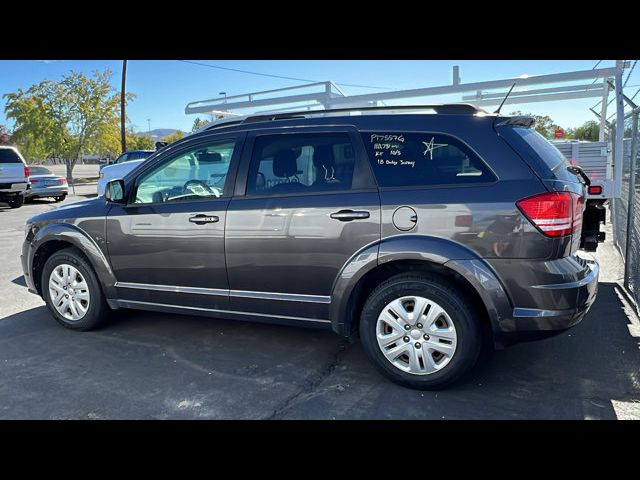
x=33, y=130
x=143, y=142
x=66, y=119
x=587, y=131
x=198, y=124
x=544, y=125
x=173, y=137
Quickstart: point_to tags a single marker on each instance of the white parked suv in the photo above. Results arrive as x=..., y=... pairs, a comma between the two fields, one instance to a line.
x=14, y=177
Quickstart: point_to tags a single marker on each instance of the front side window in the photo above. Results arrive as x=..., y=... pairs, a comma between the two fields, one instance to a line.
x=423, y=159
x=301, y=163
x=198, y=173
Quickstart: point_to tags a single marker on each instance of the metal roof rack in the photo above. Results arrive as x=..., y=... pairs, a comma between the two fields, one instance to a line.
x=443, y=109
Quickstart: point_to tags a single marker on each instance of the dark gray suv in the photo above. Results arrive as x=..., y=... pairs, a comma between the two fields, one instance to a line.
x=425, y=234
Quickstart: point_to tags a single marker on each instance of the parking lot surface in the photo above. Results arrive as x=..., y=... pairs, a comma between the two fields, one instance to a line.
x=159, y=366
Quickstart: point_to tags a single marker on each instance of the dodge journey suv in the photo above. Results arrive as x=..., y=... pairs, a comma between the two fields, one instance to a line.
x=425, y=233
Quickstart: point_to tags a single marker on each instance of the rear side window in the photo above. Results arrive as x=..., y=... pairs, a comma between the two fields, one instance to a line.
x=8, y=155
x=422, y=159
x=301, y=163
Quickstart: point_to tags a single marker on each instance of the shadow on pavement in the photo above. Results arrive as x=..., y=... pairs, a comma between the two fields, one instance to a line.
x=148, y=365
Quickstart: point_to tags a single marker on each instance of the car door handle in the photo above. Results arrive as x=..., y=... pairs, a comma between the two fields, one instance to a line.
x=201, y=219
x=348, y=215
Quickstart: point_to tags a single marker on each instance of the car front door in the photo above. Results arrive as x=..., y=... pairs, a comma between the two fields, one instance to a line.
x=166, y=245
x=305, y=202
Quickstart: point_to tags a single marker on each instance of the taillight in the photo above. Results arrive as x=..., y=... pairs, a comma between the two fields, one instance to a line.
x=554, y=213
x=62, y=179
x=464, y=220
x=595, y=190
x=26, y=172
x=33, y=180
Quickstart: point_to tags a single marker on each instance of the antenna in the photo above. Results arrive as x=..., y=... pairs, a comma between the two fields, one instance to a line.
x=505, y=98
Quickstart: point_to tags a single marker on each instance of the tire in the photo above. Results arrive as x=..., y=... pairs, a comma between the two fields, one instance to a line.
x=60, y=198
x=97, y=310
x=16, y=202
x=459, y=325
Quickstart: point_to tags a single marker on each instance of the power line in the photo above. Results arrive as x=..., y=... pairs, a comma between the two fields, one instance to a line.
x=278, y=76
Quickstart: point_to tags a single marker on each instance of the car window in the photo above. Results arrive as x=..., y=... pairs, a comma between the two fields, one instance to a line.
x=39, y=171
x=138, y=155
x=421, y=159
x=8, y=155
x=195, y=174
x=301, y=163
x=122, y=158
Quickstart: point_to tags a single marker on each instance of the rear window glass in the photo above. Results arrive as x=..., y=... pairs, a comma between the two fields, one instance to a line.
x=421, y=159
x=39, y=171
x=8, y=155
x=551, y=156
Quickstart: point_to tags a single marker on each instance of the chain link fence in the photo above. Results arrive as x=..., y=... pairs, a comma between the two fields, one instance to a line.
x=625, y=212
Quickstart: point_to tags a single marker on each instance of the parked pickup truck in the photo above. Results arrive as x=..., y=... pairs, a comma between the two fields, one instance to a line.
x=14, y=177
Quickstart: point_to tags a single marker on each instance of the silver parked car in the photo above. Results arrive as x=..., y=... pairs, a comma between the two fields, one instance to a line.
x=44, y=183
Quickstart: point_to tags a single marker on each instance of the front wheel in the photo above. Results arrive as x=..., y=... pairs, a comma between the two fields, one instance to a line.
x=420, y=331
x=72, y=292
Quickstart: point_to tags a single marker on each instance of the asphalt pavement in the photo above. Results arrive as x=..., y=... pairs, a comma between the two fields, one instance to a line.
x=158, y=366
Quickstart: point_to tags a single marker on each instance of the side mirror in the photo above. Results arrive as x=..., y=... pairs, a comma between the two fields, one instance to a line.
x=114, y=192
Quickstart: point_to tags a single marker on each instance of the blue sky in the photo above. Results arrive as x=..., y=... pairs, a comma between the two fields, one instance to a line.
x=164, y=87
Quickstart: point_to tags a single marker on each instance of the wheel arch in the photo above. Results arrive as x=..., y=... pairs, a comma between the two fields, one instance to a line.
x=55, y=237
x=407, y=253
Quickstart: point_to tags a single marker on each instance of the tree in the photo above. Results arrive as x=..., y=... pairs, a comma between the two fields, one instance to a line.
x=173, y=137
x=587, y=131
x=198, y=124
x=544, y=125
x=5, y=136
x=67, y=118
x=33, y=130
x=142, y=142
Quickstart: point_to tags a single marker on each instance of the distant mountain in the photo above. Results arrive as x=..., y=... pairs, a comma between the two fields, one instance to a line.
x=158, y=133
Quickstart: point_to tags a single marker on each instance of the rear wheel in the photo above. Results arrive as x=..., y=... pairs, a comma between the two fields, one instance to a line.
x=72, y=292
x=420, y=331
x=60, y=198
x=16, y=202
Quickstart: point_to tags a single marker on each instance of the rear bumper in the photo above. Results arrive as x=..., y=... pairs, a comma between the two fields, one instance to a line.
x=551, y=308
x=47, y=192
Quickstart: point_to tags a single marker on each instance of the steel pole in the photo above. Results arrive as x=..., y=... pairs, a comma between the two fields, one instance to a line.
x=123, y=116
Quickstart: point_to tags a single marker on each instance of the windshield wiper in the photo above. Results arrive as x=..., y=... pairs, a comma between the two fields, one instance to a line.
x=579, y=172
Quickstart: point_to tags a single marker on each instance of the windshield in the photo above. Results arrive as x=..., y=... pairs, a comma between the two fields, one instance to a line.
x=129, y=156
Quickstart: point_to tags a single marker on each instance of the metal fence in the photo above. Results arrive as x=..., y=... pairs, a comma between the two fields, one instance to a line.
x=625, y=212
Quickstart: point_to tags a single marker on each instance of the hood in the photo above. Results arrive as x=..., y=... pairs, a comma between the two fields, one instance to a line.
x=82, y=209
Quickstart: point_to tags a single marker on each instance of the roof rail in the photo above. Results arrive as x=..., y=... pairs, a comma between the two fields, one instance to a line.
x=446, y=109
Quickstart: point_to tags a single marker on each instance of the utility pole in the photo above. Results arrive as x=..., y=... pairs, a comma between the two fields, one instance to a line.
x=123, y=135
x=149, y=126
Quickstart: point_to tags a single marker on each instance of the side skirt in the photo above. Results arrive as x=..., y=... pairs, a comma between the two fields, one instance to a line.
x=226, y=314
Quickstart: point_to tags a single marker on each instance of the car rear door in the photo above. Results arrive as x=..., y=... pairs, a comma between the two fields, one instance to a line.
x=305, y=203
